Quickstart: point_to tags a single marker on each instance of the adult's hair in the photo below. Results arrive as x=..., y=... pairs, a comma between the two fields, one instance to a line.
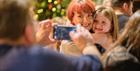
x=79, y=6
x=14, y=16
x=110, y=14
x=130, y=36
x=119, y=3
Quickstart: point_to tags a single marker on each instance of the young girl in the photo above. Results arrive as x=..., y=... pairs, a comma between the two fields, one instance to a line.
x=105, y=28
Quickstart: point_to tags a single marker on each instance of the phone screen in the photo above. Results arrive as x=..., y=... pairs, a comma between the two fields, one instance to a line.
x=61, y=32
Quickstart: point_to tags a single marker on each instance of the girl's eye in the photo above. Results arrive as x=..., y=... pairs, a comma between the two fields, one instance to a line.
x=103, y=22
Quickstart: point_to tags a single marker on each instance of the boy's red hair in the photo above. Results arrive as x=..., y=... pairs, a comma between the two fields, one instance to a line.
x=80, y=6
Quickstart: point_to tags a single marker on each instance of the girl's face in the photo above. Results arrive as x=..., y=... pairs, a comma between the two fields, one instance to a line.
x=85, y=19
x=101, y=24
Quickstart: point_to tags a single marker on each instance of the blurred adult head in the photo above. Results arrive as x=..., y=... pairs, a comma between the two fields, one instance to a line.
x=16, y=21
x=125, y=6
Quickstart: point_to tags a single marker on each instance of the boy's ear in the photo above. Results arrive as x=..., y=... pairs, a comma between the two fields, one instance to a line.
x=28, y=35
x=125, y=7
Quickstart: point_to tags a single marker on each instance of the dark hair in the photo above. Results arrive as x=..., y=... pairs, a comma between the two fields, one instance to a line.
x=119, y=3
x=126, y=65
x=14, y=16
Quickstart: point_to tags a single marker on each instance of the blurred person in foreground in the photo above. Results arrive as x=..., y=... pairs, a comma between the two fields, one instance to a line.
x=18, y=51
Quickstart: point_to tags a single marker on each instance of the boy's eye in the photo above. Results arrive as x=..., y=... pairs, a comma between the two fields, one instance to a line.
x=90, y=15
x=79, y=16
x=95, y=20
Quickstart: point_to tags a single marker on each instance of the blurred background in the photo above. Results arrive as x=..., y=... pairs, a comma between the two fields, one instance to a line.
x=49, y=9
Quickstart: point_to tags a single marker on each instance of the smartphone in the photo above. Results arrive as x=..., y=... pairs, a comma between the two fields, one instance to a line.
x=61, y=32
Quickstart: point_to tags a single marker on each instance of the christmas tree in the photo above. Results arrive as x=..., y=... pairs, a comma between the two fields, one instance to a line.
x=47, y=9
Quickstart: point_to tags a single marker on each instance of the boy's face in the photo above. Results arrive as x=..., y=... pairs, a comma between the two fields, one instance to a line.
x=130, y=11
x=85, y=19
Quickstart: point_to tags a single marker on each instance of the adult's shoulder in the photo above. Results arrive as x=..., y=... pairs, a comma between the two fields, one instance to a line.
x=123, y=16
x=37, y=58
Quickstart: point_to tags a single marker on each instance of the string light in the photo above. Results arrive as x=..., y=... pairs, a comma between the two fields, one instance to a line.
x=36, y=16
x=43, y=4
x=49, y=1
x=54, y=9
x=62, y=11
x=50, y=8
x=55, y=2
x=39, y=11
